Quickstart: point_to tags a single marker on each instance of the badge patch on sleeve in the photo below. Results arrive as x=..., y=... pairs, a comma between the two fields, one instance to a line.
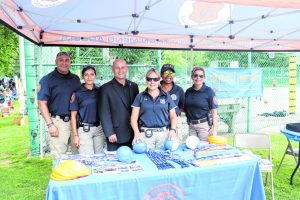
x=215, y=100
x=72, y=98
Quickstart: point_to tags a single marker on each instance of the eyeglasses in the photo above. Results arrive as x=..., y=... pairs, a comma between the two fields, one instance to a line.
x=149, y=79
x=63, y=53
x=166, y=73
x=198, y=75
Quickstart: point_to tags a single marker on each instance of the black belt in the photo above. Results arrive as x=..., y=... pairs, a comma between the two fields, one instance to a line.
x=82, y=124
x=161, y=129
x=197, y=121
x=65, y=118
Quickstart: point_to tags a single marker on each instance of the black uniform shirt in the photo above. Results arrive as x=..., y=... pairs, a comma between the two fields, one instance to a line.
x=177, y=95
x=56, y=89
x=154, y=113
x=199, y=103
x=85, y=102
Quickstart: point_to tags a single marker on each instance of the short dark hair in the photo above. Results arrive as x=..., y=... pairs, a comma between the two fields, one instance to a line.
x=88, y=67
x=63, y=53
x=196, y=68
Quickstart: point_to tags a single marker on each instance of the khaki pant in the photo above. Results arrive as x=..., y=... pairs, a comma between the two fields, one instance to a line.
x=157, y=140
x=91, y=142
x=200, y=130
x=59, y=145
x=179, y=130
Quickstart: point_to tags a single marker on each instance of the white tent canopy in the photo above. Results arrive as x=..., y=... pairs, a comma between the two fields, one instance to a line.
x=248, y=25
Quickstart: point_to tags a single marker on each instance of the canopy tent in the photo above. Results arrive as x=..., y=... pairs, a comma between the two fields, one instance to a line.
x=256, y=25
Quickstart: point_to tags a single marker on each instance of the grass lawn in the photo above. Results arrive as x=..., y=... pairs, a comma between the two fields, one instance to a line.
x=27, y=178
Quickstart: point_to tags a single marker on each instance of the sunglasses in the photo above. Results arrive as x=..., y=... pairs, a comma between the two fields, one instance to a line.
x=63, y=53
x=198, y=75
x=149, y=79
x=168, y=73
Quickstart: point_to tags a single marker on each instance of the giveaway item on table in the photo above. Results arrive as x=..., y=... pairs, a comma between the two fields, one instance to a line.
x=211, y=148
x=192, y=142
x=139, y=147
x=216, y=154
x=124, y=154
x=171, y=145
x=217, y=140
x=68, y=170
x=116, y=168
x=162, y=159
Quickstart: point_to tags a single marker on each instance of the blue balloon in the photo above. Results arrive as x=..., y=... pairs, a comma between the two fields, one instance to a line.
x=140, y=147
x=124, y=154
x=171, y=145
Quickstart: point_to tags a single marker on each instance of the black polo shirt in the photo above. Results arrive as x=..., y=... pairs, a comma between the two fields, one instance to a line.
x=154, y=113
x=199, y=103
x=85, y=102
x=177, y=95
x=56, y=89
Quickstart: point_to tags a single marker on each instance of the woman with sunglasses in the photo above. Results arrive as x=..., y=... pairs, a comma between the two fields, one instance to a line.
x=87, y=131
x=153, y=117
x=200, y=103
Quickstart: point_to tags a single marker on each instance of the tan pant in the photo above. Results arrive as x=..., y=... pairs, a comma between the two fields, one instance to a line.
x=200, y=130
x=157, y=139
x=91, y=142
x=59, y=145
x=179, y=130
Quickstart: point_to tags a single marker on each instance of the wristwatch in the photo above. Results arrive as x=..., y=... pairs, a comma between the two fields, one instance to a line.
x=173, y=129
x=50, y=124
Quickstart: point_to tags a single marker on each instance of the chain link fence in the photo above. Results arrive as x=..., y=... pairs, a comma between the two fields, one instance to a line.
x=250, y=114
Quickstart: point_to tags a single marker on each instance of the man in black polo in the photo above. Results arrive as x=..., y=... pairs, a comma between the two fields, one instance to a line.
x=54, y=94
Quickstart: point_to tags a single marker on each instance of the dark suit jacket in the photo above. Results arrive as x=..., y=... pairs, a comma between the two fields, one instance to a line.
x=115, y=111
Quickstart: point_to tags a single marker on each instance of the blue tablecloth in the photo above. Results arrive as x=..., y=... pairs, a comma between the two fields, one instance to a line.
x=234, y=181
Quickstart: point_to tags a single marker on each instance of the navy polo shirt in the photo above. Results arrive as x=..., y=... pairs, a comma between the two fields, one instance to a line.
x=85, y=102
x=199, y=103
x=154, y=113
x=56, y=89
x=177, y=95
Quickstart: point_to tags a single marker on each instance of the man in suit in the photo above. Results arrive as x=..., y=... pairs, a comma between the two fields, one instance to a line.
x=115, y=99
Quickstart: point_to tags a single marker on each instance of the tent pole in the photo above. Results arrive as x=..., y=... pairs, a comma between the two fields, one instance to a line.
x=249, y=98
x=191, y=62
x=41, y=123
x=22, y=64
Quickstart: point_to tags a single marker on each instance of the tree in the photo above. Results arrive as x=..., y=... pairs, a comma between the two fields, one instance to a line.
x=9, y=52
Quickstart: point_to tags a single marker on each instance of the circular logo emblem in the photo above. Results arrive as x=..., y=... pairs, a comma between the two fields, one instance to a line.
x=164, y=191
x=174, y=97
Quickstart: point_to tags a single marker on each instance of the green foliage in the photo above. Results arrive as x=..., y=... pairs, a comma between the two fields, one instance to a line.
x=9, y=54
x=136, y=56
x=97, y=56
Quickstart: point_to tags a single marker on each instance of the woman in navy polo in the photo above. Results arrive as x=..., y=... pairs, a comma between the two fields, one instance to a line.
x=200, y=101
x=153, y=117
x=87, y=131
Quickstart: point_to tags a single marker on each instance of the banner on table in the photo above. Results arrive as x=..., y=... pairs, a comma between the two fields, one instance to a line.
x=235, y=83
